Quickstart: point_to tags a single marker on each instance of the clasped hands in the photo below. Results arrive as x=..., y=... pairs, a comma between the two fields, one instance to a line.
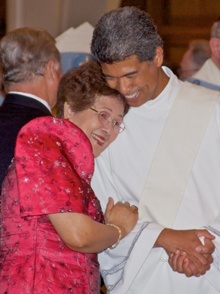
x=187, y=254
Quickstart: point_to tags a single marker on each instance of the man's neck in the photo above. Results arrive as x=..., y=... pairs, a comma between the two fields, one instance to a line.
x=216, y=61
x=35, y=88
x=31, y=96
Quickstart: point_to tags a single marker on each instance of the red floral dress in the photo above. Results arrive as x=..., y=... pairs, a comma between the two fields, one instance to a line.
x=51, y=173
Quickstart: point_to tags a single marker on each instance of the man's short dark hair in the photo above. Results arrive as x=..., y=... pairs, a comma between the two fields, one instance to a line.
x=125, y=32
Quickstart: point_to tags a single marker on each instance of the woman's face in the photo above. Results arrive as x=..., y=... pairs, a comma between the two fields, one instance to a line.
x=100, y=123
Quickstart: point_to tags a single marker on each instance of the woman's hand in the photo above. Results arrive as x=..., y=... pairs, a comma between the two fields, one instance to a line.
x=124, y=215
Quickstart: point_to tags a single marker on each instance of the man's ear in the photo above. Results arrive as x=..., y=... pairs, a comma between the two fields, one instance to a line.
x=50, y=70
x=158, y=58
x=214, y=45
x=67, y=112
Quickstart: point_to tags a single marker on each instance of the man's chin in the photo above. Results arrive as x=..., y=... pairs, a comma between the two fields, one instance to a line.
x=134, y=102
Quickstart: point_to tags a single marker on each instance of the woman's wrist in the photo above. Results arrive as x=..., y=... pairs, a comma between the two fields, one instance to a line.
x=119, y=236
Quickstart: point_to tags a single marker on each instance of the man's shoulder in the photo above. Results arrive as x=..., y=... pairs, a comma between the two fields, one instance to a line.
x=197, y=88
x=202, y=83
x=198, y=98
x=23, y=103
x=17, y=98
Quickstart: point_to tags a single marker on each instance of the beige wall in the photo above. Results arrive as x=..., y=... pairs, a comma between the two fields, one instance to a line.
x=56, y=15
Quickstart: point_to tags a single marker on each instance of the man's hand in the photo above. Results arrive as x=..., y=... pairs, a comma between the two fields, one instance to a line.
x=186, y=252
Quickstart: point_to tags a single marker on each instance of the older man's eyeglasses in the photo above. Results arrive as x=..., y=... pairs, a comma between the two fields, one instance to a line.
x=105, y=119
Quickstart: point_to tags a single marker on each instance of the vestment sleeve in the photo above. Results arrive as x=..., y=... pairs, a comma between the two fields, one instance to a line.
x=214, y=226
x=102, y=180
x=119, y=274
x=214, y=229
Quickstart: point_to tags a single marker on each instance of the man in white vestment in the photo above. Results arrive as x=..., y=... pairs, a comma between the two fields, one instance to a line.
x=167, y=162
x=209, y=74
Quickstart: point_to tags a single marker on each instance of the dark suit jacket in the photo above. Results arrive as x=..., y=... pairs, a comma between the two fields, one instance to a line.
x=15, y=112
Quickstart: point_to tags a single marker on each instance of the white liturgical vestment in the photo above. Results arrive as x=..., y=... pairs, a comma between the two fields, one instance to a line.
x=209, y=72
x=135, y=266
x=208, y=76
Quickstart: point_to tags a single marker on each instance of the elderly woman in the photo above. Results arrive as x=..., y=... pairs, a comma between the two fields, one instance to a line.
x=52, y=226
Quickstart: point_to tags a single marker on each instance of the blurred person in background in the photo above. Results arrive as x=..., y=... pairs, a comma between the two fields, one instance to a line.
x=209, y=74
x=197, y=53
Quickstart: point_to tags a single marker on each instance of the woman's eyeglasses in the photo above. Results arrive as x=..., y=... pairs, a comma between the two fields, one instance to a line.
x=105, y=119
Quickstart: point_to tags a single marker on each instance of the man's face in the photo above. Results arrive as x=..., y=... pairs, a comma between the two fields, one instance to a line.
x=215, y=51
x=138, y=80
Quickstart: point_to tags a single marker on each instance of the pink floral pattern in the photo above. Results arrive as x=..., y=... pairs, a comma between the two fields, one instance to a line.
x=51, y=173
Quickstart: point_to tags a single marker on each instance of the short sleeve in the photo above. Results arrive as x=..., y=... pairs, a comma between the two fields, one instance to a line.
x=54, y=166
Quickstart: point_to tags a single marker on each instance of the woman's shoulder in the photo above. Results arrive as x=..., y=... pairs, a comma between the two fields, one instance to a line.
x=54, y=137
